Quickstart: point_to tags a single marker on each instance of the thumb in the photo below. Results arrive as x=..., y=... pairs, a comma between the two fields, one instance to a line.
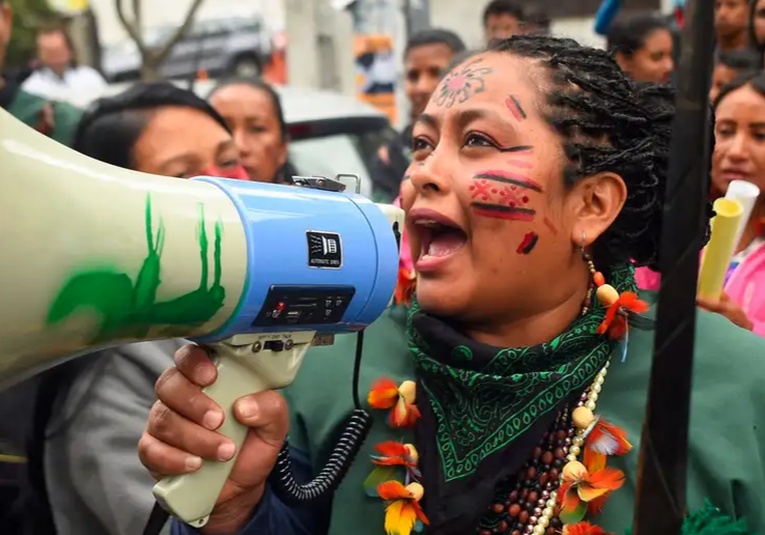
x=266, y=413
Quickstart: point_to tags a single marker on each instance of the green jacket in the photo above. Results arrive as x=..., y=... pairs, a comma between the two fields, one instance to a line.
x=727, y=434
x=27, y=108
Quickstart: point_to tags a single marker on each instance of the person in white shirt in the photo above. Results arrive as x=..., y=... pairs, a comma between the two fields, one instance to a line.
x=58, y=76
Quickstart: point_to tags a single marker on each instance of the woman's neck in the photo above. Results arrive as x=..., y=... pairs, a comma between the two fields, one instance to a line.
x=533, y=329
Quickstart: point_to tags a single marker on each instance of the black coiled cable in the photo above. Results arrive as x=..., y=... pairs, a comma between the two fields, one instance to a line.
x=349, y=443
x=282, y=480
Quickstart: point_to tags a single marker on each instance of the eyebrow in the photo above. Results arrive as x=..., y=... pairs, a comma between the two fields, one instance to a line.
x=225, y=145
x=464, y=117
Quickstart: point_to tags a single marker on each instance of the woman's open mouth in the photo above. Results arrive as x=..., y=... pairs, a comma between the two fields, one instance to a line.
x=440, y=239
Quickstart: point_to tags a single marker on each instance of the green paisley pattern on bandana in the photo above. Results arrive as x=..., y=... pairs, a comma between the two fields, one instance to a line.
x=479, y=412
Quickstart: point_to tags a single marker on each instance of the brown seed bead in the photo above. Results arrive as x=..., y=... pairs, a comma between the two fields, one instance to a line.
x=484, y=532
x=533, y=497
x=543, y=478
x=547, y=457
x=502, y=527
x=498, y=507
x=562, y=434
x=554, y=474
x=524, y=493
x=523, y=517
x=516, y=532
x=559, y=453
x=514, y=510
x=537, y=452
x=531, y=472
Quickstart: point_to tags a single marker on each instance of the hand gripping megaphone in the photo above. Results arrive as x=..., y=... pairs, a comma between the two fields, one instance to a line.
x=93, y=256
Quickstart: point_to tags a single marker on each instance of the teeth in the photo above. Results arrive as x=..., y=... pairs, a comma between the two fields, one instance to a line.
x=427, y=223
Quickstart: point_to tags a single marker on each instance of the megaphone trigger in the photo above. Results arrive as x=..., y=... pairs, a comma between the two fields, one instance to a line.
x=247, y=364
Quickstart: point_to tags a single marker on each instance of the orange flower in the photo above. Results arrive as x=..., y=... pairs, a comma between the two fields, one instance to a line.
x=403, y=509
x=615, y=322
x=583, y=528
x=407, y=281
x=581, y=487
x=386, y=395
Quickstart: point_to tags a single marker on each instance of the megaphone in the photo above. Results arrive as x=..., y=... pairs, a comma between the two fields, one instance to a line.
x=93, y=256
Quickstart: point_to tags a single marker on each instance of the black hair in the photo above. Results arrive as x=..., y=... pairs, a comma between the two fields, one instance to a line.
x=111, y=126
x=608, y=124
x=260, y=85
x=753, y=41
x=627, y=35
x=502, y=7
x=538, y=18
x=740, y=60
x=435, y=36
x=755, y=80
x=461, y=58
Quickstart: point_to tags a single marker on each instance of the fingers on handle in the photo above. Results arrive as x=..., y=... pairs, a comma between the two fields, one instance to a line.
x=165, y=460
x=267, y=413
x=169, y=427
x=195, y=364
x=177, y=393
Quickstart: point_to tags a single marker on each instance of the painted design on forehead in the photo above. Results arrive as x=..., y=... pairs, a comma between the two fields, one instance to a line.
x=528, y=243
x=460, y=85
x=515, y=108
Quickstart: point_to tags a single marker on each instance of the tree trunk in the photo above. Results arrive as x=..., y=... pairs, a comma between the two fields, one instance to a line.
x=150, y=68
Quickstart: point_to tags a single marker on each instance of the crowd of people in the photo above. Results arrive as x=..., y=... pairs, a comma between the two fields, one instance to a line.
x=506, y=395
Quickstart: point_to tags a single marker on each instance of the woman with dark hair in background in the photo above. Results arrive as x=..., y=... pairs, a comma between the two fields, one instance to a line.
x=91, y=411
x=253, y=111
x=642, y=44
x=757, y=28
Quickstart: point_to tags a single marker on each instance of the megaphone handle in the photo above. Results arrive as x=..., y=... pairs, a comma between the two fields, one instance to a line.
x=191, y=497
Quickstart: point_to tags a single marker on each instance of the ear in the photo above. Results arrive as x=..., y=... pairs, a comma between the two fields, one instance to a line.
x=623, y=61
x=283, y=150
x=595, y=202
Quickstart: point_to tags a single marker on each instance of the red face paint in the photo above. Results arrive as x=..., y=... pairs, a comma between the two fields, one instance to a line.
x=237, y=172
x=502, y=201
x=529, y=242
x=507, y=177
x=515, y=108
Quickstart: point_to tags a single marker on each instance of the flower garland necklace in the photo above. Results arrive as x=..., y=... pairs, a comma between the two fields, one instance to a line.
x=579, y=489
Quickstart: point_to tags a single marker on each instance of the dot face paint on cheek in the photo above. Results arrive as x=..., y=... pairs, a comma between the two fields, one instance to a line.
x=529, y=242
x=502, y=195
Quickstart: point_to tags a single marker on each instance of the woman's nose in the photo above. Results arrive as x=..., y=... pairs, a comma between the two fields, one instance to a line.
x=428, y=178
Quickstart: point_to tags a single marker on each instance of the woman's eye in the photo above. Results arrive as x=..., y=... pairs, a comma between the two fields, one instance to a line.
x=478, y=140
x=419, y=144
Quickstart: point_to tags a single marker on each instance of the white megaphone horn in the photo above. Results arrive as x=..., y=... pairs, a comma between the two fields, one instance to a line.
x=93, y=256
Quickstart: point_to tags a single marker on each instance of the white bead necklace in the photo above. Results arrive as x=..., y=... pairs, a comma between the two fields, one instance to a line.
x=576, y=447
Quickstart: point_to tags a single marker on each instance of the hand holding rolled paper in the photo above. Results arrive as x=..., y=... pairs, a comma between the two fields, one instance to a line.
x=717, y=254
x=746, y=193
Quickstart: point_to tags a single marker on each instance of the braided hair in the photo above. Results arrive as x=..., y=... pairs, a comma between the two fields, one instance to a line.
x=609, y=124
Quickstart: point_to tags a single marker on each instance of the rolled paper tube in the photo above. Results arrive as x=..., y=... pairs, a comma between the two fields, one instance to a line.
x=746, y=193
x=718, y=253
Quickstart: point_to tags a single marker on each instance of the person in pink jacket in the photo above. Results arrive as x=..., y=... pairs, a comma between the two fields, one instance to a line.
x=739, y=155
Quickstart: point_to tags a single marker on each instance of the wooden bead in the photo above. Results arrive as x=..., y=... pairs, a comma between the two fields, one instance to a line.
x=573, y=471
x=598, y=278
x=416, y=490
x=582, y=417
x=413, y=453
x=408, y=391
x=607, y=295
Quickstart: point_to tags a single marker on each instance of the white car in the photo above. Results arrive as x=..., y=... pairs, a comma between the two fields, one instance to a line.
x=330, y=133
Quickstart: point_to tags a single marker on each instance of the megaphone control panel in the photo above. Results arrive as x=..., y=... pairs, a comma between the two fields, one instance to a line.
x=304, y=305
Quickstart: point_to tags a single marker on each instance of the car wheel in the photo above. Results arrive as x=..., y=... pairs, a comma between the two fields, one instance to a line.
x=247, y=67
